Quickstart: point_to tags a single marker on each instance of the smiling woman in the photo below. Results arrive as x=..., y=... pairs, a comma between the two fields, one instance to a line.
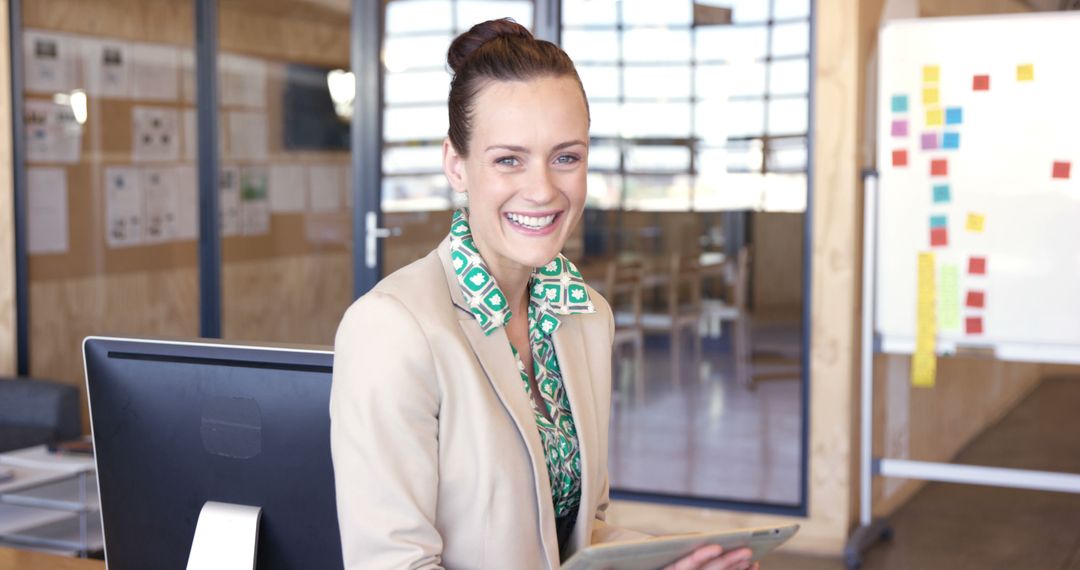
x=471, y=394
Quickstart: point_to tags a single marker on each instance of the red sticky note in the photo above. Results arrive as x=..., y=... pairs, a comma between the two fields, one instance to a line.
x=976, y=299
x=939, y=167
x=939, y=237
x=980, y=83
x=977, y=265
x=974, y=325
x=899, y=158
x=1061, y=169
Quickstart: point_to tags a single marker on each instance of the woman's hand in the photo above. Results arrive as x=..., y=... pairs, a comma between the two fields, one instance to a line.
x=713, y=557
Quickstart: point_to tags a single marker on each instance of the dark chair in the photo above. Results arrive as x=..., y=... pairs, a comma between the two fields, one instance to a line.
x=36, y=412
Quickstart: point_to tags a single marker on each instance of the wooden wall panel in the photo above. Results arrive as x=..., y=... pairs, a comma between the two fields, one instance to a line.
x=777, y=264
x=64, y=311
x=297, y=299
x=8, y=307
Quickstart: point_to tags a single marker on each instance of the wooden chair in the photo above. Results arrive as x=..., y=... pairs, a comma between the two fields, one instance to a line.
x=714, y=312
x=622, y=289
x=681, y=313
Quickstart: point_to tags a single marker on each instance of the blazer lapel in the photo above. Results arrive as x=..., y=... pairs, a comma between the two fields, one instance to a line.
x=493, y=352
x=570, y=349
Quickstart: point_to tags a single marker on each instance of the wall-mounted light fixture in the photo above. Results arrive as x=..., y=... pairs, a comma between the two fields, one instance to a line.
x=342, y=86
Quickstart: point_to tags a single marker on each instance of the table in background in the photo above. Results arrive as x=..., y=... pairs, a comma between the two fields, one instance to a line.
x=51, y=504
x=15, y=559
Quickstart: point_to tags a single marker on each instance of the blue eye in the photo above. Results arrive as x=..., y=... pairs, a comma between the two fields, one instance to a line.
x=507, y=161
x=567, y=159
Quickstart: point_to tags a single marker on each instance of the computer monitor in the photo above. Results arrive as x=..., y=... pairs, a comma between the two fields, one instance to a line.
x=179, y=423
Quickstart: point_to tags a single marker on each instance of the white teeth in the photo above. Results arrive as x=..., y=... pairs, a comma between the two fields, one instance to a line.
x=531, y=222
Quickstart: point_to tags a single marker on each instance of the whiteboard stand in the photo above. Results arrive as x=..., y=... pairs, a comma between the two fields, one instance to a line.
x=870, y=530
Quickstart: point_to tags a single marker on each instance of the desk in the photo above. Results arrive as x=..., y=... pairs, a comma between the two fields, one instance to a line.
x=13, y=559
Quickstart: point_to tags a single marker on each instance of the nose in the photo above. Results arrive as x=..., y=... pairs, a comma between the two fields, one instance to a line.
x=541, y=188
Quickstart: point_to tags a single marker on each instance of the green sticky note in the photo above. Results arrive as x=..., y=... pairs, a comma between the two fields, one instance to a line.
x=949, y=297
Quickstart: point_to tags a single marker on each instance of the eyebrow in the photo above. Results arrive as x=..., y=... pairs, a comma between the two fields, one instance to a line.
x=516, y=148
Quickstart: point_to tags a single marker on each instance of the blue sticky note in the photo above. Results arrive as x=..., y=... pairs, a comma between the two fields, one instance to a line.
x=942, y=194
x=899, y=104
x=938, y=221
x=954, y=116
x=950, y=141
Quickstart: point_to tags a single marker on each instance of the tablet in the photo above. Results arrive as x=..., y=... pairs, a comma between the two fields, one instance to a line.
x=653, y=553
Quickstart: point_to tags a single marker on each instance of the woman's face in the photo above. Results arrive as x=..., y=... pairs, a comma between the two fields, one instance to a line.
x=525, y=173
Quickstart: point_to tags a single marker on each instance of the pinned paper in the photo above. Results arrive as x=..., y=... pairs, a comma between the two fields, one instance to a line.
x=1025, y=72
x=899, y=104
x=939, y=237
x=939, y=167
x=930, y=96
x=105, y=68
x=154, y=72
x=976, y=222
x=248, y=135
x=287, y=188
x=980, y=83
x=929, y=141
x=930, y=73
x=123, y=207
x=156, y=134
x=954, y=116
x=973, y=325
x=977, y=265
x=1061, y=169
x=187, y=203
x=52, y=133
x=229, y=200
x=47, y=210
x=159, y=202
x=48, y=62
x=976, y=299
x=942, y=194
x=939, y=221
x=935, y=117
x=950, y=141
x=899, y=128
x=899, y=158
x=949, y=297
x=924, y=361
x=255, y=200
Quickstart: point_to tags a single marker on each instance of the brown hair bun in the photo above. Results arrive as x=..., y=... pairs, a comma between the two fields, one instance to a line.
x=497, y=50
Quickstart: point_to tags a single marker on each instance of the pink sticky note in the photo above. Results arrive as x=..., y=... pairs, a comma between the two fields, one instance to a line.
x=899, y=128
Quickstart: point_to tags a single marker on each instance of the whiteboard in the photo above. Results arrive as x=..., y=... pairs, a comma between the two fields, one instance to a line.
x=1001, y=118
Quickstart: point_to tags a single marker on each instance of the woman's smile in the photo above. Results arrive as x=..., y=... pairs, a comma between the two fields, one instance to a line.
x=534, y=224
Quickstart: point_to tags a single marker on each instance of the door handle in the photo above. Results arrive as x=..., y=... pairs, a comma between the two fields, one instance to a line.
x=373, y=232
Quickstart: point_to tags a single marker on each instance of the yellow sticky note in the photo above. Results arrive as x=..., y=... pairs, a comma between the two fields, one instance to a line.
x=930, y=96
x=975, y=222
x=1025, y=72
x=930, y=73
x=924, y=361
x=935, y=117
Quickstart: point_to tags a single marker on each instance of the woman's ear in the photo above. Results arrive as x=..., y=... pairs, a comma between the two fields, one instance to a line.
x=454, y=167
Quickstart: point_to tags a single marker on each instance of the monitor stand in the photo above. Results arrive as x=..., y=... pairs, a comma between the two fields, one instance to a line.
x=226, y=537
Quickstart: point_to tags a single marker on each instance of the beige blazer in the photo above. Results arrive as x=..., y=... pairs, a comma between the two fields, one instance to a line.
x=437, y=458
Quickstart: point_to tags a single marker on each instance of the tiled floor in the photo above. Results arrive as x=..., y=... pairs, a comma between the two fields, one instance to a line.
x=967, y=526
x=713, y=437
